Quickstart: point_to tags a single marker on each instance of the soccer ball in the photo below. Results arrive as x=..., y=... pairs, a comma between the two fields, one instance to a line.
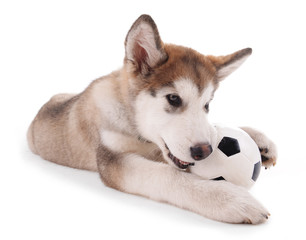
x=235, y=158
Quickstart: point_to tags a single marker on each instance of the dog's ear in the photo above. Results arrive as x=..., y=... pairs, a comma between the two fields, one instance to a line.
x=143, y=46
x=227, y=64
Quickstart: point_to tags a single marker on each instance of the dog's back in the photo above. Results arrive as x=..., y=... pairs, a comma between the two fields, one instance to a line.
x=57, y=134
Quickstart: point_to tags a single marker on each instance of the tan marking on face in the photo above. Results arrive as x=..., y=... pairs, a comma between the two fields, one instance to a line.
x=182, y=63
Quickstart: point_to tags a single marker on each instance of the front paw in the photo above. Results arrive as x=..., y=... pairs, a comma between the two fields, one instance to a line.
x=268, y=156
x=238, y=206
x=266, y=147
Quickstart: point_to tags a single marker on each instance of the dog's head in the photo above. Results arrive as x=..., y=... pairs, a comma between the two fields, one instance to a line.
x=171, y=88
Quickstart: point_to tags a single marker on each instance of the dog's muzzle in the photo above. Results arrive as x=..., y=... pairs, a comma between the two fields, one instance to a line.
x=200, y=151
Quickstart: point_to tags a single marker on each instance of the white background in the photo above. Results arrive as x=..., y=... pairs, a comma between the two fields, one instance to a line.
x=61, y=46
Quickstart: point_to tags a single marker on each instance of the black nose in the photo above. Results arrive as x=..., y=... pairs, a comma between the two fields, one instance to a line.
x=200, y=151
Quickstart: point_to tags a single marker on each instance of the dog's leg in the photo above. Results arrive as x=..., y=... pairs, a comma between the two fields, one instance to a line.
x=218, y=200
x=266, y=146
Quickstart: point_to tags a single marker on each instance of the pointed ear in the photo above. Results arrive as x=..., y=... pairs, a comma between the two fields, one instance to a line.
x=143, y=46
x=227, y=64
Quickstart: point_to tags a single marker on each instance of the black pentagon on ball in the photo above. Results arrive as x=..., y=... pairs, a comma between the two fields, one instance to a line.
x=218, y=178
x=256, y=171
x=229, y=146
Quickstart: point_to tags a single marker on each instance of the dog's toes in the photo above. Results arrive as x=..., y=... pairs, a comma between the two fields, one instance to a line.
x=266, y=147
x=268, y=155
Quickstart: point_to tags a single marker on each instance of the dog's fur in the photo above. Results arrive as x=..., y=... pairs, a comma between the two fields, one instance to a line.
x=126, y=127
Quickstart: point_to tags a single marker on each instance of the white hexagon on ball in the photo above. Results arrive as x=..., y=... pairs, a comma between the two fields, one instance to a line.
x=235, y=158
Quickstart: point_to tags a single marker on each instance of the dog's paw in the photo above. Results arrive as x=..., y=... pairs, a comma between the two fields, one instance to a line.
x=248, y=210
x=266, y=147
x=268, y=156
x=238, y=206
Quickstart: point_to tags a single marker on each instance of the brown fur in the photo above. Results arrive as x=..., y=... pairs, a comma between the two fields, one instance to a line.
x=63, y=134
x=110, y=171
x=65, y=130
x=223, y=61
x=70, y=129
x=182, y=62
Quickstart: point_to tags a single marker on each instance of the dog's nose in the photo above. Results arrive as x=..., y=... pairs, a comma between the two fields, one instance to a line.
x=200, y=151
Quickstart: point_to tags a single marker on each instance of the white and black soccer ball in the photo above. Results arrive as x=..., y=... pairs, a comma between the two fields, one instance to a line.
x=235, y=158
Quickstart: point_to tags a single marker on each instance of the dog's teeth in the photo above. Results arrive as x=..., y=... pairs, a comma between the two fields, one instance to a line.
x=179, y=162
x=183, y=163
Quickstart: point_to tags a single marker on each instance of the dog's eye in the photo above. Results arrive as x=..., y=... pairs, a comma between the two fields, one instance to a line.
x=174, y=100
x=206, y=107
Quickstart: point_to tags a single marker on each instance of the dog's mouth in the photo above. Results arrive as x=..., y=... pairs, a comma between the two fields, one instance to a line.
x=178, y=162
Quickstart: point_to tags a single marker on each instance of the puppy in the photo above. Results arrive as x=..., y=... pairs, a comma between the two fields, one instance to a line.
x=143, y=126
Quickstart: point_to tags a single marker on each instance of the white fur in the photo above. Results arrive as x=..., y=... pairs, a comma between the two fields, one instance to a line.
x=111, y=110
x=121, y=143
x=221, y=201
x=181, y=130
x=118, y=142
x=131, y=170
